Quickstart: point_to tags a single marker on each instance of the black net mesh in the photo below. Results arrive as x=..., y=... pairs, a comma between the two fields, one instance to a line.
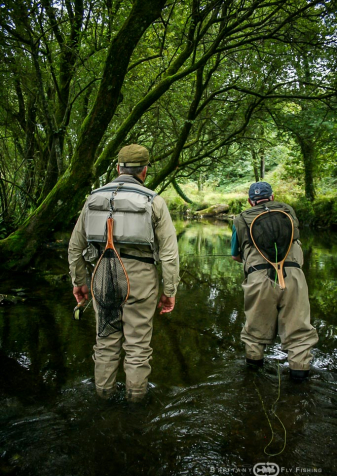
x=110, y=289
x=272, y=234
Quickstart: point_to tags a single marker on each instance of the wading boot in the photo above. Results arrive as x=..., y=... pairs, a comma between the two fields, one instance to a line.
x=106, y=393
x=254, y=364
x=133, y=396
x=135, y=391
x=299, y=375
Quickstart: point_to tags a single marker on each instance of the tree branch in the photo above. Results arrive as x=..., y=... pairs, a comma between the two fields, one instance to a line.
x=22, y=190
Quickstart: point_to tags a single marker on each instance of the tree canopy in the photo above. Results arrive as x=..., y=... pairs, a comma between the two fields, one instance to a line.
x=206, y=85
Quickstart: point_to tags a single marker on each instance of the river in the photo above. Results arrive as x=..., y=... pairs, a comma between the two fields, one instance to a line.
x=205, y=413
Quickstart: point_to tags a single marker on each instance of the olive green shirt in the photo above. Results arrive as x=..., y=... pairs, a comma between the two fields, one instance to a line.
x=165, y=235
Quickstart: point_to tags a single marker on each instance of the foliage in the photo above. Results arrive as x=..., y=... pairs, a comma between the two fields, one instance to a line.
x=327, y=301
x=217, y=90
x=238, y=205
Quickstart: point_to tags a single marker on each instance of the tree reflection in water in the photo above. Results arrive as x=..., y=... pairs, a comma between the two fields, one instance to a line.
x=202, y=411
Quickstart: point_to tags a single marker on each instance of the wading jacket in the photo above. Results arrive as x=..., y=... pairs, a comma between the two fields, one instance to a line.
x=249, y=254
x=135, y=234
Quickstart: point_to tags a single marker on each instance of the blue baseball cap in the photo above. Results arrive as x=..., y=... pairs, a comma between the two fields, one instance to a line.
x=260, y=190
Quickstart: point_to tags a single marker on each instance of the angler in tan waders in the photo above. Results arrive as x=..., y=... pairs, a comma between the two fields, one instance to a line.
x=143, y=235
x=269, y=309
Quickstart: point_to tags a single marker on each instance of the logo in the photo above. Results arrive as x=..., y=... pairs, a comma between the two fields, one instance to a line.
x=271, y=469
x=257, y=191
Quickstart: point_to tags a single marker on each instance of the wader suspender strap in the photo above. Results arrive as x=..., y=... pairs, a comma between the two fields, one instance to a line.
x=258, y=267
x=137, y=258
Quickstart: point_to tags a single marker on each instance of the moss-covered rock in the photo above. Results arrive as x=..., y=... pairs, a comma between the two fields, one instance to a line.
x=213, y=210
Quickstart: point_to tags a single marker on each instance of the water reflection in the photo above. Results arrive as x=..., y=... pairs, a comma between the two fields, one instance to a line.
x=203, y=414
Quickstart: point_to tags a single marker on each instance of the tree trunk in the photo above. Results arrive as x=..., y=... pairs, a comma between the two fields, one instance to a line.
x=262, y=164
x=51, y=177
x=62, y=203
x=309, y=157
x=180, y=192
x=255, y=167
x=200, y=180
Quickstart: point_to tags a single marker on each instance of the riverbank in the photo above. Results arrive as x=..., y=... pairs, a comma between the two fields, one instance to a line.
x=321, y=213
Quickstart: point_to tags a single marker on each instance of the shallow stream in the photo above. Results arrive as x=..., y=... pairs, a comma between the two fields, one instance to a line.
x=205, y=413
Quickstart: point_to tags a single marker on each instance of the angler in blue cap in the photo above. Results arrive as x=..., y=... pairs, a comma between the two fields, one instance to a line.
x=275, y=289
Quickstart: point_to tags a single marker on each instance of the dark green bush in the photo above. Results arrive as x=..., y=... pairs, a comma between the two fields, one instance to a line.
x=237, y=205
x=321, y=212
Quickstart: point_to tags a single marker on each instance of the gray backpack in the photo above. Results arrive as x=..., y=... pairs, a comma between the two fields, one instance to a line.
x=131, y=208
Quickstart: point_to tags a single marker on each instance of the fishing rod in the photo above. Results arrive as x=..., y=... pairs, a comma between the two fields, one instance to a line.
x=203, y=256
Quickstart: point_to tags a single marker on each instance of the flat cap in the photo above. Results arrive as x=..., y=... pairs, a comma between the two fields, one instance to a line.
x=133, y=155
x=260, y=190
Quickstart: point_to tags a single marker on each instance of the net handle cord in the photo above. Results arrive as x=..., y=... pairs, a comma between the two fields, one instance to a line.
x=273, y=412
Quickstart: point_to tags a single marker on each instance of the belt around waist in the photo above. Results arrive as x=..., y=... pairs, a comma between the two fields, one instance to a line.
x=137, y=258
x=258, y=267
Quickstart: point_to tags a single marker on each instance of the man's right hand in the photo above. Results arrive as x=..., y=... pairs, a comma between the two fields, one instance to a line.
x=81, y=293
x=166, y=303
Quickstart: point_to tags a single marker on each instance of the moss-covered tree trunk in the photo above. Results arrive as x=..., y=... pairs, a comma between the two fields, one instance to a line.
x=67, y=195
x=255, y=165
x=262, y=164
x=68, y=55
x=180, y=192
x=309, y=158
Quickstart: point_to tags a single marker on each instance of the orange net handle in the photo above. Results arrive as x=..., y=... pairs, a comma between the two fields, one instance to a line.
x=109, y=242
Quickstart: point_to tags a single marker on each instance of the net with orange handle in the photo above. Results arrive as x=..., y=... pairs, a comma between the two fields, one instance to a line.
x=110, y=287
x=272, y=233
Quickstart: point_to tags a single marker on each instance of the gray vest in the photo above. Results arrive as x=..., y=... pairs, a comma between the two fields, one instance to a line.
x=130, y=205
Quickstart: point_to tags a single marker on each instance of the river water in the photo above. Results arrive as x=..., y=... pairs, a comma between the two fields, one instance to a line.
x=205, y=413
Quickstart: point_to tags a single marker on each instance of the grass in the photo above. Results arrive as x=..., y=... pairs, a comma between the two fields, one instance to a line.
x=321, y=212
